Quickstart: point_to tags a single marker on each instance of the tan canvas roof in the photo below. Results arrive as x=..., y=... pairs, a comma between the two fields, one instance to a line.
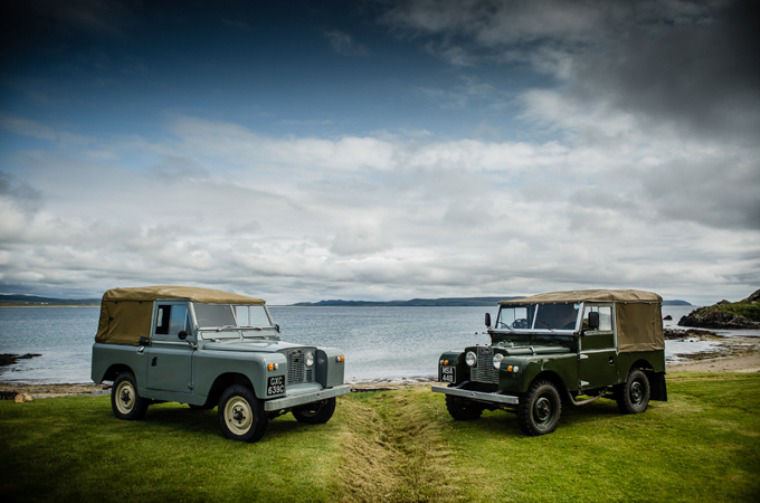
x=125, y=313
x=151, y=293
x=624, y=296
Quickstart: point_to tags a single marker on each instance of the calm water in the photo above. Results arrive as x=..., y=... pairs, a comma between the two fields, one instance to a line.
x=379, y=342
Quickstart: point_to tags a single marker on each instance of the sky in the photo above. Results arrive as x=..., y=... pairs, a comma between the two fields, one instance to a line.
x=380, y=150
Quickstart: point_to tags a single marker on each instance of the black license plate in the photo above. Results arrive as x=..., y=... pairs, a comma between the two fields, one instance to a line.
x=449, y=374
x=276, y=385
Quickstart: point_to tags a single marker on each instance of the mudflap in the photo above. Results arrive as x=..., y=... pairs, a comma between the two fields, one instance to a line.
x=659, y=390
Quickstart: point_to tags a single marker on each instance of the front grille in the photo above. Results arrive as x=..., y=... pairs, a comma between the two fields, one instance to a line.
x=483, y=371
x=297, y=371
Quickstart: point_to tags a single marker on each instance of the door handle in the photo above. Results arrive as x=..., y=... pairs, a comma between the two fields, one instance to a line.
x=611, y=360
x=154, y=361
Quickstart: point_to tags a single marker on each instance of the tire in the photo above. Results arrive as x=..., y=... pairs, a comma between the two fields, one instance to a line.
x=463, y=409
x=125, y=402
x=633, y=397
x=540, y=409
x=315, y=412
x=241, y=415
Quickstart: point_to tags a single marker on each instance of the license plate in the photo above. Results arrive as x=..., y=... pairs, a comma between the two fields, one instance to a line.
x=276, y=385
x=449, y=374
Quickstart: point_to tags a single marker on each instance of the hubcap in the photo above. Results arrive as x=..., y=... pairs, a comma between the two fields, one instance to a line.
x=542, y=410
x=238, y=415
x=637, y=392
x=125, y=397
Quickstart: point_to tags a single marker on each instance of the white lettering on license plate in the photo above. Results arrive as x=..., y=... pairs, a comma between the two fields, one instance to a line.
x=276, y=385
x=448, y=374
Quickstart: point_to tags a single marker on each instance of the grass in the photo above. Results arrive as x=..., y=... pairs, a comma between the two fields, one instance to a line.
x=746, y=309
x=394, y=446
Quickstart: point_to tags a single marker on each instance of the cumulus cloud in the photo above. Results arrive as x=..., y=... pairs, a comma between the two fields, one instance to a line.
x=304, y=218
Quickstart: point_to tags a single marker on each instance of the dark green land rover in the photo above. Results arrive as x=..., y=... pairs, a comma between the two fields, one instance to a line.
x=563, y=347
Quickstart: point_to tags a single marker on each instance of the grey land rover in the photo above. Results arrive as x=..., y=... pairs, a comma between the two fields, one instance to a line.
x=563, y=347
x=206, y=348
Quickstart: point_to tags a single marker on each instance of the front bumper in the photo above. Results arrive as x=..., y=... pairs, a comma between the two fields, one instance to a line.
x=305, y=395
x=477, y=395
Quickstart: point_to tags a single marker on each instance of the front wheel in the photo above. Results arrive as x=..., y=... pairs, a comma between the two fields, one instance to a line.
x=315, y=412
x=125, y=402
x=241, y=415
x=463, y=409
x=539, y=410
x=633, y=398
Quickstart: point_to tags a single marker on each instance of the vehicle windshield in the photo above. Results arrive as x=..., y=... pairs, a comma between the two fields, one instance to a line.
x=538, y=317
x=223, y=317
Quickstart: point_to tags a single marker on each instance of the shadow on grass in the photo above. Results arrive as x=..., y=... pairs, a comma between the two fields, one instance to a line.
x=599, y=414
x=181, y=417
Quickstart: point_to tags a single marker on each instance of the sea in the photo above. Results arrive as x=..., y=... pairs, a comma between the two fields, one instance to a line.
x=381, y=342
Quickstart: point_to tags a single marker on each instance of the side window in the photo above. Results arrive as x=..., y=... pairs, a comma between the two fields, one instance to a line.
x=171, y=319
x=605, y=317
x=162, y=319
x=178, y=320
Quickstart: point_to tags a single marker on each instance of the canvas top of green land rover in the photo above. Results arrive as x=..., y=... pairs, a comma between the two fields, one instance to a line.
x=560, y=348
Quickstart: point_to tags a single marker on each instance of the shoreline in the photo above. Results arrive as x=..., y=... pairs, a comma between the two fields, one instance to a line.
x=731, y=354
x=741, y=359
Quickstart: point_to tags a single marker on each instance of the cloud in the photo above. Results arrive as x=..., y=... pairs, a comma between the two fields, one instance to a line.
x=344, y=44
x=303, y=218
x=27, y=127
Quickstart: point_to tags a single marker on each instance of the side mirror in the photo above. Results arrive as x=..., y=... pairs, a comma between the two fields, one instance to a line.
x=593, y=320
x=488, y=320
x=277, y=328
x=182, y=335
x=144, y=341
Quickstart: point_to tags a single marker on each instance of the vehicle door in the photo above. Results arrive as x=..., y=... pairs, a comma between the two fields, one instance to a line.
x=597, y=349
x=169, y=356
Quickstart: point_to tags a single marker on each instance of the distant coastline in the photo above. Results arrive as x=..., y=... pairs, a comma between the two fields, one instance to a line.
x=21, y=300
x=443, y=301
x=17, y=300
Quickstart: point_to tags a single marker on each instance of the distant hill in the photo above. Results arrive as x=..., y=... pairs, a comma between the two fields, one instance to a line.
x=443, y=301
x=675, y=302
x=36, y=300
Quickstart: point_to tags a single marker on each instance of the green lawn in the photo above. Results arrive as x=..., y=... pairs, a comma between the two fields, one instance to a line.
x=704, y=444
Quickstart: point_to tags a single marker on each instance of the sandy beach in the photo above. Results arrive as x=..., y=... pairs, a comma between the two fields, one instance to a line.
x=735, y=354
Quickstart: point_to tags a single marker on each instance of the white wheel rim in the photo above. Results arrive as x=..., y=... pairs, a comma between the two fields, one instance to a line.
x=238, y=415
x=125, y=396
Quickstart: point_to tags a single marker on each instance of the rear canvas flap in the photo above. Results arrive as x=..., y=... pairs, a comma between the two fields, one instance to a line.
x=639, y=327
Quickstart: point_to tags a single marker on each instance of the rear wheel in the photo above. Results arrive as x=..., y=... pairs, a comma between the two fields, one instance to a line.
x=463, y=409
x=125, y=402
x=315, y=412
x=633, y=397
x=241, y=415
x=539, y=411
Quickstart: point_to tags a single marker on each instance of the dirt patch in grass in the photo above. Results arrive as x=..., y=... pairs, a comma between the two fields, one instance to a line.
x=393, y=452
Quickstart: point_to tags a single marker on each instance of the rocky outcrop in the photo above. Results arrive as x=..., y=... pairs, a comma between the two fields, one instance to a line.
x=755, y=297
x=10, y=358
x=716, y=319
x=727, y=315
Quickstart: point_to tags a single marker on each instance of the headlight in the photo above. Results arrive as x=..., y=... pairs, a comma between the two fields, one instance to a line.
x=497, y=358
x=308, y=359
x=471, y=359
